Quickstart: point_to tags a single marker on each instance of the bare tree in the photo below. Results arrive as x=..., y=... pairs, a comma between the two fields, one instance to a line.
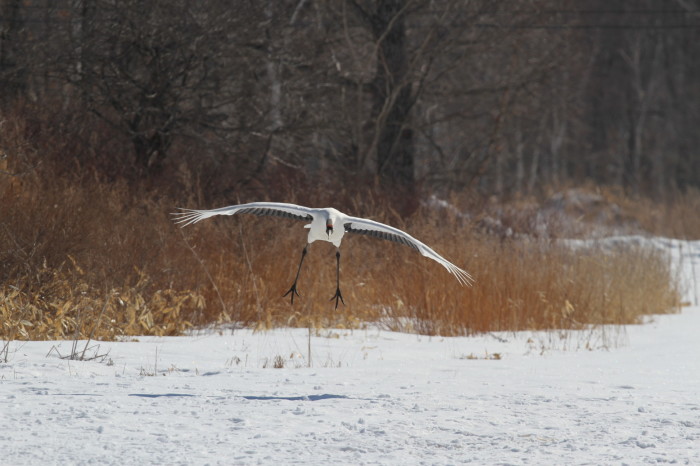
x=162, y=71
x=12, y=74
x=447, y=94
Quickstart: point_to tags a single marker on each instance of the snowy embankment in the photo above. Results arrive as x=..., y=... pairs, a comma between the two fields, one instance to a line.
x=369, y=397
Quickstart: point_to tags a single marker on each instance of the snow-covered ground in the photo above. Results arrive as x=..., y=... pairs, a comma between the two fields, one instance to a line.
x=369, y=397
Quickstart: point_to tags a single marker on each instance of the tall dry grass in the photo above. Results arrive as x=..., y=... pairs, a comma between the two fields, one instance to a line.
x=86, y=257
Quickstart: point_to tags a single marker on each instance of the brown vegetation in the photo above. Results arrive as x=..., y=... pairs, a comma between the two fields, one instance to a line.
x=539, y=121
x=83, y=256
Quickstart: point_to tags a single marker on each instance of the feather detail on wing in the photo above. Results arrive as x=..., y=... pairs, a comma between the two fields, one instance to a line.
x=367, y=227
x=276, y=209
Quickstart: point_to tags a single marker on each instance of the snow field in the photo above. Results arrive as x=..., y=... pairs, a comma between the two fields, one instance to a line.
x=370, y=397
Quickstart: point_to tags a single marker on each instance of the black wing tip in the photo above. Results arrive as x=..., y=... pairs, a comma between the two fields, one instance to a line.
x=385, y=235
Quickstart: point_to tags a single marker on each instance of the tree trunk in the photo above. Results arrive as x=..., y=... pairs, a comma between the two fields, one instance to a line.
x=12, y=79
x=392, y=98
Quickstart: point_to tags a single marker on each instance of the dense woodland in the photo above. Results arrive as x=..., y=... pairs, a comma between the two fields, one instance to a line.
x=486, y=128
x=497, y=96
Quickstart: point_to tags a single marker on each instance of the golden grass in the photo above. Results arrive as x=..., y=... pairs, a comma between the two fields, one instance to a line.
x=64, y=307
x=676, y=217
x=81, y=257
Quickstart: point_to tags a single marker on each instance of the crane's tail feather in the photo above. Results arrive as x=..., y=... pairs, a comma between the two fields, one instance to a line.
x=189, y=216
x=462, y=276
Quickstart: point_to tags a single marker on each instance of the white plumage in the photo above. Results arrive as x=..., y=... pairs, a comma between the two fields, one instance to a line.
x=329, y=225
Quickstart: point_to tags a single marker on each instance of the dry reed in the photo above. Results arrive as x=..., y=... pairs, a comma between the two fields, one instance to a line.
x=85, y=257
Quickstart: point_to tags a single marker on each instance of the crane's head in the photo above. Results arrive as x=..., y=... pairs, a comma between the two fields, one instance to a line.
x=332, y=217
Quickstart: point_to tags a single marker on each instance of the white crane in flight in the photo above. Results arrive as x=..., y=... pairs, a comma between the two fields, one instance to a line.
x=329, y=225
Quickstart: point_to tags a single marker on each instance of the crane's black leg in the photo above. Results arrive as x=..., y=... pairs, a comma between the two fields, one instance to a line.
x=293, y=289
x=337, y=296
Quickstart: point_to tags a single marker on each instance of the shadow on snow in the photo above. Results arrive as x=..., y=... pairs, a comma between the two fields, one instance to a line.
x=325, y=396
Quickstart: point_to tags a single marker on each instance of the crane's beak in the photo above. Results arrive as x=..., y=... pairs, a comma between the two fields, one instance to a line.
x=329, y=230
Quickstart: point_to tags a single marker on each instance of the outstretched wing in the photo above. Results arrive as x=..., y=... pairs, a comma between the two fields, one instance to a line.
x=277, y=209
x=363, y=226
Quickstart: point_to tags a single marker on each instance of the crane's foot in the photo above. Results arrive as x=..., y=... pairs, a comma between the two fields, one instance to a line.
x=293, y=291
x=337, y=297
